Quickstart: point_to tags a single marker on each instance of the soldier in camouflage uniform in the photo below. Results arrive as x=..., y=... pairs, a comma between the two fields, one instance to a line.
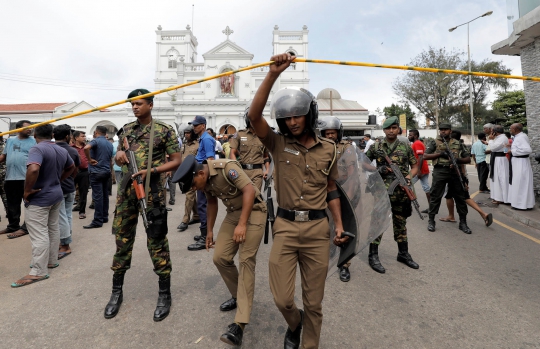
x=332, y=128
x=401, y=154
x=189, y=147
x=444, y=173
x=126, y=215
x=3, y=176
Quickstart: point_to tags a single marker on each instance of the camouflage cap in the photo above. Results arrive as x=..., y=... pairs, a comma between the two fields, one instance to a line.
x=392, y=120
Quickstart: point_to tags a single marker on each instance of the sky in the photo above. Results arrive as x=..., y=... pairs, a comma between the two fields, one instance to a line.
x=108, y=47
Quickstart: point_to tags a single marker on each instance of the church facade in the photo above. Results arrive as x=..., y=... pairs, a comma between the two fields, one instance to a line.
x=222, y=101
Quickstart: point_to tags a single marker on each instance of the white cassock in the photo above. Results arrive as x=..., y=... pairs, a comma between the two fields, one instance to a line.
x=500, y=173
x=521, y=191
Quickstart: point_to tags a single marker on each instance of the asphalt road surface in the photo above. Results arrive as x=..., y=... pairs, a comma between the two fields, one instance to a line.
x=471, y=291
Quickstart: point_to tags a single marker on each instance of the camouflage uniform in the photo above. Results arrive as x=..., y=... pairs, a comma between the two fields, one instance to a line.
x=126, y=214
x=3, y=175
x=190, y=148
x=401, y=154
x=251, y=152
x=443, y=174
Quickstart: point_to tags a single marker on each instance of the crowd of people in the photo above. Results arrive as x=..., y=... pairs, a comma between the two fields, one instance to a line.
x=47, y=176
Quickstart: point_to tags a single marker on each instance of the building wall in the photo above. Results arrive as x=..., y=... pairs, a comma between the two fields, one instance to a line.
x=530, y=57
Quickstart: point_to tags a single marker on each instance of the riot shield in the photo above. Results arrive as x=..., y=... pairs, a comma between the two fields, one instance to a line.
x=365, y=206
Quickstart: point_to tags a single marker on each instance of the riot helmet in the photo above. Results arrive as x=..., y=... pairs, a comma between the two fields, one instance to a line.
x=294, y=101
x=187, y=128
x=246, y=119
x=330, y=123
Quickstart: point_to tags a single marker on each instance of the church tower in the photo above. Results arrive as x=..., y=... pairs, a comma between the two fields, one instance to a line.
x=295, y=41
x=174, y=48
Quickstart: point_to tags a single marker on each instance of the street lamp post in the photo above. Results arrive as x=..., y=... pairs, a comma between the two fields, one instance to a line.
x=470, y=77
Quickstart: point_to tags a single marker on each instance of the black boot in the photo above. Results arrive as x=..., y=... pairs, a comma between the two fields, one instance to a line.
x=112, y=308
x=183, y=226
x=234, y=335
x=463, y=225
x=292, y=338
x=431, y=223
x=373, y=258
x=164, y=299
x=200, y=243
x=344, y=274
x=404, y=256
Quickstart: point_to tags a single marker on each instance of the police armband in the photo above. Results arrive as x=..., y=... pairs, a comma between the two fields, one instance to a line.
x=331, y=195
x=267, y=160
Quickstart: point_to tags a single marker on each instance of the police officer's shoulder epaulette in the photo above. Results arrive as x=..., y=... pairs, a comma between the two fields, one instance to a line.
x=243, y=130
x=220, y=163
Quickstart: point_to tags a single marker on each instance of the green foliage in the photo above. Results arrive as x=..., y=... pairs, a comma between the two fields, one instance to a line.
x=397, y=110
x=511, y=108
x=448, y=95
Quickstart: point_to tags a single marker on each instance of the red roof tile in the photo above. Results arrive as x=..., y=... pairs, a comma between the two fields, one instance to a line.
x=29, y=107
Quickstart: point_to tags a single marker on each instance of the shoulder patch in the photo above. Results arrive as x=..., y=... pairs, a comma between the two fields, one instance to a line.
x=233, y=174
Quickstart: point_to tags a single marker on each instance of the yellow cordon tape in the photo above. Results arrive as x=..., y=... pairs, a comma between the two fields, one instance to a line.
x=298, y=60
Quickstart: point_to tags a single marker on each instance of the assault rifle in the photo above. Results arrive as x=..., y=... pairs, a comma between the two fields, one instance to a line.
x=454, y=163
x=270, y=217
x=137, y=183
x=403, y=183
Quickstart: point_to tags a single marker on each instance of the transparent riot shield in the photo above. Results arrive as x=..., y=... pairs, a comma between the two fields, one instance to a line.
x=365, y=206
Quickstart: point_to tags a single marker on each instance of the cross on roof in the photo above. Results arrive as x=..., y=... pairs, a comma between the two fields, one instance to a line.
x=228, y=31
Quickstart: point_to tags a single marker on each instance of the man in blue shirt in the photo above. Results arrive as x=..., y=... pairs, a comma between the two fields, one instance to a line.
x=478, y=152
x=48, y=165
x=207, y=146
x=15, y=155
x=99, y=154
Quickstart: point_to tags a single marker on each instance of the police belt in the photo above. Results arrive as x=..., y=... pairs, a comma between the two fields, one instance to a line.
x=300, y=216
x=251, y=166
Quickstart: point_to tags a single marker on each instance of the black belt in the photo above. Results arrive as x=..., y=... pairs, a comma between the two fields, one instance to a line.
x=441, y=166
x=492, y=162
x=300, y=216
x=510, y=165
x=251, y=166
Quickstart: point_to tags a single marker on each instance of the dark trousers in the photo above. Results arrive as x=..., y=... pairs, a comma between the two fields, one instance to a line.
x=100, y=195
x=201, y=207
x=483, y=173
x=441, y=177
x=82, y=180
x=14, y=193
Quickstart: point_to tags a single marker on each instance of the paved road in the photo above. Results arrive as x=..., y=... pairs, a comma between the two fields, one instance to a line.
x=471, y=291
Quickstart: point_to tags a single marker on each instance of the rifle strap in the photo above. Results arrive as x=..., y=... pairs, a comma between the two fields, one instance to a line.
x=149, y=161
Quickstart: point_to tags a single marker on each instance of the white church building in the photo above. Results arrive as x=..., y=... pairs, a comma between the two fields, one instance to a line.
x=222, y=101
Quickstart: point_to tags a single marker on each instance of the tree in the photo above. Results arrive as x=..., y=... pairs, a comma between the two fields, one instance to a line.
x=447, y=95
x=511, y=106
x=397, y=110
x=432, y=94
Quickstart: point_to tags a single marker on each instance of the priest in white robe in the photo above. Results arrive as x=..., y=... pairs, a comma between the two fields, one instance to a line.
x=499, y=171
x=521, y=190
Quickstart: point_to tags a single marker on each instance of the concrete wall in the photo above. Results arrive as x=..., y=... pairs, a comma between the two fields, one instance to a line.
x=530, y=64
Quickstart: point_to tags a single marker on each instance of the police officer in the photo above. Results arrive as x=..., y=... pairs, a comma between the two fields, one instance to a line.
x=444, y=173
x=140, y=134
x=3, y=176
x=305, y=182
x=241, y=231
x=401, y=154
x=332, y=128
x=189, y=147
x=253, y=155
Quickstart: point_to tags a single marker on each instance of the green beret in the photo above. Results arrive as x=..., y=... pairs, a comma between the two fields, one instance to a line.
x=445, y=126
x=393, y=120
x=139, y=92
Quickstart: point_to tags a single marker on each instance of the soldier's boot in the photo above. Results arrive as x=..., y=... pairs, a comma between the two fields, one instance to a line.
x=200, y=244
x=463, y=225
x=112, y=308
x=431, y=223
x=373, y=258
x=404, y=256
x=164, y=299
